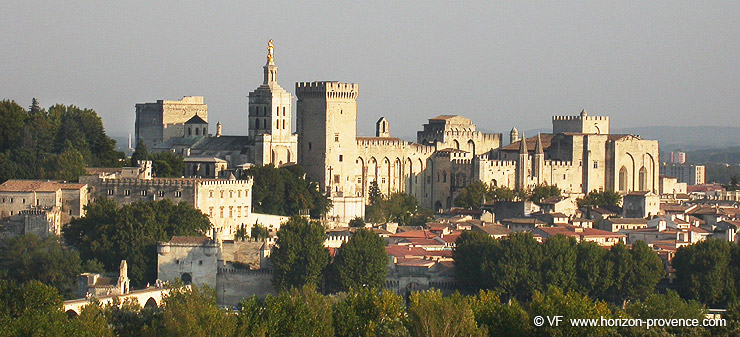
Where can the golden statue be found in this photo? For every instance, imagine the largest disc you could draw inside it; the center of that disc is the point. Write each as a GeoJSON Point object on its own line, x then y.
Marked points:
{"type": "Point", "coordinates": [270, 49]}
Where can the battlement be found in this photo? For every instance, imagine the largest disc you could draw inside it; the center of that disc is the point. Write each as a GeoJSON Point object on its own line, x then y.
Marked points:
{"type": "Point", "coordinates": [185, 100]}
{"type": "Point", "coordinates": [184, 182]}
{"type": "Point", "coordinates": [579, 118]}
{"type": "Point", "coordinates": [327, 89]}
{"type": "Point", "coordinates": [261, 271]}
{"type": "Point", "coordinates": [462, 161]}
{"type": "Point", "coordinates": [558, 163]}
{"type": "Point", "coordinates": [501, 163]}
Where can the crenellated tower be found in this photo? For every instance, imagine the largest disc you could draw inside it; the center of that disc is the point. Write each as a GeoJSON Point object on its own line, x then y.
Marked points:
{"type": "Point", "coordinates": [326, 118]}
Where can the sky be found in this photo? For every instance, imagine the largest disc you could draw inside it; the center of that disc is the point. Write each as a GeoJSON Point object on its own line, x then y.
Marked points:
{"type": "Point", "coordinates": [499, 63]}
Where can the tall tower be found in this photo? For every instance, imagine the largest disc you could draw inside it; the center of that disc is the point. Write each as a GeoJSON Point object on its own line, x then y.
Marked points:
{"type": "Point", "coordinates": [522, 164]}
{"type": "Point", "coordinates": [270, 117]}
{"type": "Point", "coordinates": [326, 116]}
{"type": "Point", "coordinates": [538, 163]}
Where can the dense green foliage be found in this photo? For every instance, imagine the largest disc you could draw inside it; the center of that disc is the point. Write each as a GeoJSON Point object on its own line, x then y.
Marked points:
{"type": "Point", "coordinates": [370, 312]}
{"type": "Point", "coordinates": [298, 312]}
{"type": "Point", "coordinates": [259, 232]}
{"type": "Point", "coordinates": [398, 207]}
{"type": "Point", "coordinates": [285, 191]}
{"type": "Point", "coordinates": [34, 309]}
{"type": "Point", "coordinates": [721, 173]}
{"type": "Point", "coordinates": [28, 257]}
{"type": "Point", "coordinates": [708, 271]}
{"type": "Point", "coordinates": [362, 261]}
{"type": "Point", "coordinates": [164, 164]}
{"type": "Point", "coordinates": [131, 232]}
{"type": "Point", "coordinates": [54, 144]}
{"type": "Point", "coordinates": [431, 314]}
{"type": "Point", "coordinates": [299, 257]}
{"type": "Point", "coordinates": [473, 195]}
{"type": "Point", "coordinates": [596, 198]}
{"type": "Point", "coordinates": [519, 266]}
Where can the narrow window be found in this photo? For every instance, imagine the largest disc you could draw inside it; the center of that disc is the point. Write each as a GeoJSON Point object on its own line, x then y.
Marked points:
{"type": "Point", "coordinates": [336, 137]}
{"type": "Point", "coordinates": [341, 157]}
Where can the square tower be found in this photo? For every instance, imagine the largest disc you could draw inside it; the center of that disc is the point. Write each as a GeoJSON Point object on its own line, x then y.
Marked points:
{"type": "Point", "coordinates": [326, 116]}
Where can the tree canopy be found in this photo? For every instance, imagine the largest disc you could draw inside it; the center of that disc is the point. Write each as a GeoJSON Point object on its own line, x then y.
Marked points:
{"type": "Point", "coordinates": [285, 191]}
{"type": "Point", "coordinates": [299, 256]}
{"type": "Point", "coordinates": [362, 261]}
{"type": "Point", "coordinates": [164, 164]}
{"type": "Point", "coordinates": [473, 195]}
{"type": "Point", "coordinates": [55, 144]}
{"type": "Point", "coordinates": [28, 257]}
{"type": "Point", "coordinates": [131, 232]}
{"type": "Point", "coordinates": [596, 198]}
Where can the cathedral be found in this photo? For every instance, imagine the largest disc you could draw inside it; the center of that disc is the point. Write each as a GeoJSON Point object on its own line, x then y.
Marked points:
{"type": "Point", "coordinates": [579, 156]}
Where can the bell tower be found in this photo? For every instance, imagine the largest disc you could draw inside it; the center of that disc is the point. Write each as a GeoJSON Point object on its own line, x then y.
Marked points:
{"type": "Point", "coordinates": [271, 117]}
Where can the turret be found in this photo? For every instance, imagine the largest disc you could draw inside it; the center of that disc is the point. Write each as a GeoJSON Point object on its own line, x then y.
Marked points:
{"type": "Point", "coordinates": [539, 160]}
{"type": "Point", "coordinates": [513, 135]}
{"type": "Point", "coordinates": [218, 129]}
{"type": "Point", "coordinates": [522, 166]}
{"type": "Point", "coordinates": [382, 128]}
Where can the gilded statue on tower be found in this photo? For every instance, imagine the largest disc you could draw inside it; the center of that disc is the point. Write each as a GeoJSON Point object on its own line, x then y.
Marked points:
{"type": "Point", "coordinates": [270, 49]}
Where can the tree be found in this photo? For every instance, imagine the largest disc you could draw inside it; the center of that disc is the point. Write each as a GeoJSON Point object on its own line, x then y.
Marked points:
{"type": "Point", "coordinates": [596, 198]}
{"type": "Point", "coordinates": [297, 312]}
{"type": "Point", "coordinates": [472, 196]}
{"type": "Point", "coordinates": [69, 165]}
{"type": "Point", "coordinates": [357, 222]}
{"type": "Point", "coordinates": [370, 312]}
{"type": "Point", "coordinates": [28, 257]}
{"type": "Point", "coordinates": [34, 108]}
{"type": "Point", "coordinates": [374, 195]}
{"type": "Point", "coordinates": [132, 233]}
{"type": "Point", "coordinates": [593, 270]}
{"type": "Point", "coordinates": [559, 262]}
{"type": "Point", "coordinates": [668, 305]}
{"type": "Point", "coordinates": [299, 255]}
{"type": "Point", "coordinates": [285, 191]}
{"type": "Point", "coordinates": [398, 207]}
{"type": "Point", "coordinates": [472, 253]}
{"type": "Point", "coordinates": [193, 311]}
{"type": "Point", "coordinates": [703, 271]}
{"type": "Point", "coordinates": [544, 191]}
{"type": "Point", "coordinates": [431, 314]}
{"type": "Point", "coordinates": [503, 193]}
{"type": "Point", "coordinates": [167, 164]}
{"type": "Point", "coordinates": [569, 305]}
{"type": "Point", "coordinates": [140, 153]}
{"type": "Point", "coordinates": [128, 319]}
{"type": "Point", "coordinates": [648, 271]}
{"type": "Point", "coordinates": [259, 232]}
{"type": "Point", "coordinates": [623, 265]}
{"type": "Point", "coordinates": [516, 272]}
{"type": "Point", "coordinates": [12, 120]}
{"type": "Point", "coordinates": [362, 261]}
{"type": "Point", "coordinates": [35, 309]}
{"type": "Point", "coordinates": [500, 319]}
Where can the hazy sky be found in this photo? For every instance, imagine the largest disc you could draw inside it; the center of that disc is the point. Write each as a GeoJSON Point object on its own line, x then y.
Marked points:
{"type": "Point", "coordinates": [501, 64]}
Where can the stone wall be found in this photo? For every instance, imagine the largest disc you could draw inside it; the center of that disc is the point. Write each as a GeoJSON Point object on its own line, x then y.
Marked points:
{"type": "Point", "coordinates": [235, 284]}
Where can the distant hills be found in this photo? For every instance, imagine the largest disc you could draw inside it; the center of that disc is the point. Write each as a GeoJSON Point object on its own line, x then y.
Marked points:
{"type": "Point", "coordinates": [687, 138]}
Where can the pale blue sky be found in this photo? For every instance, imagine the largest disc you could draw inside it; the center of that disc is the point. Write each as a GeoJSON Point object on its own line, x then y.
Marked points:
{"type": "Point", "coordinates": [502, 64]}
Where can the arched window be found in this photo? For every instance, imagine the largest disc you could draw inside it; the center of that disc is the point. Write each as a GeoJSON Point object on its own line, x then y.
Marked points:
{"type": "Point", "coordinates": [283, 124]}
{"type": "Point", "coordinates": [643, 179]}
{"type": "Point", "coordinates": [623, 179]}
{"type": "Point", "coordinates": [190, 132]}
{"type": "Point", "coordinates": [283, 111]}
{"type": "Point", "coordinates": [197, 131]}
{"type": "Point", "coordinates": [204, 131]}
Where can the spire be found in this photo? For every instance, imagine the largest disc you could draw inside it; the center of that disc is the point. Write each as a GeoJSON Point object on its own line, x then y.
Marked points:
{"type": "Point", "coordinates": [513, 135]}
{"type": "Point", "coordinates": [538, 146]}
{"type": "Point", "coordinates": [584, 113]}
{"type": "Point", "coordinates": [523, 145]}
{"type": "Point", "coordinates": [270, 67]}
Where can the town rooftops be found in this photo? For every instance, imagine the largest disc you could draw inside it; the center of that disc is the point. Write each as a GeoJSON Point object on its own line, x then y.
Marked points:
{"type": "Point", "coordinates": [628, 221]}
{"type": "Point", "coordinates": [15, 185]}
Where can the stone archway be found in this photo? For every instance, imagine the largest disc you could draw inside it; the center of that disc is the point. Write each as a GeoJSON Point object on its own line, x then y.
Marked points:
{"type": "Point", "coordinates": [151, 303]}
